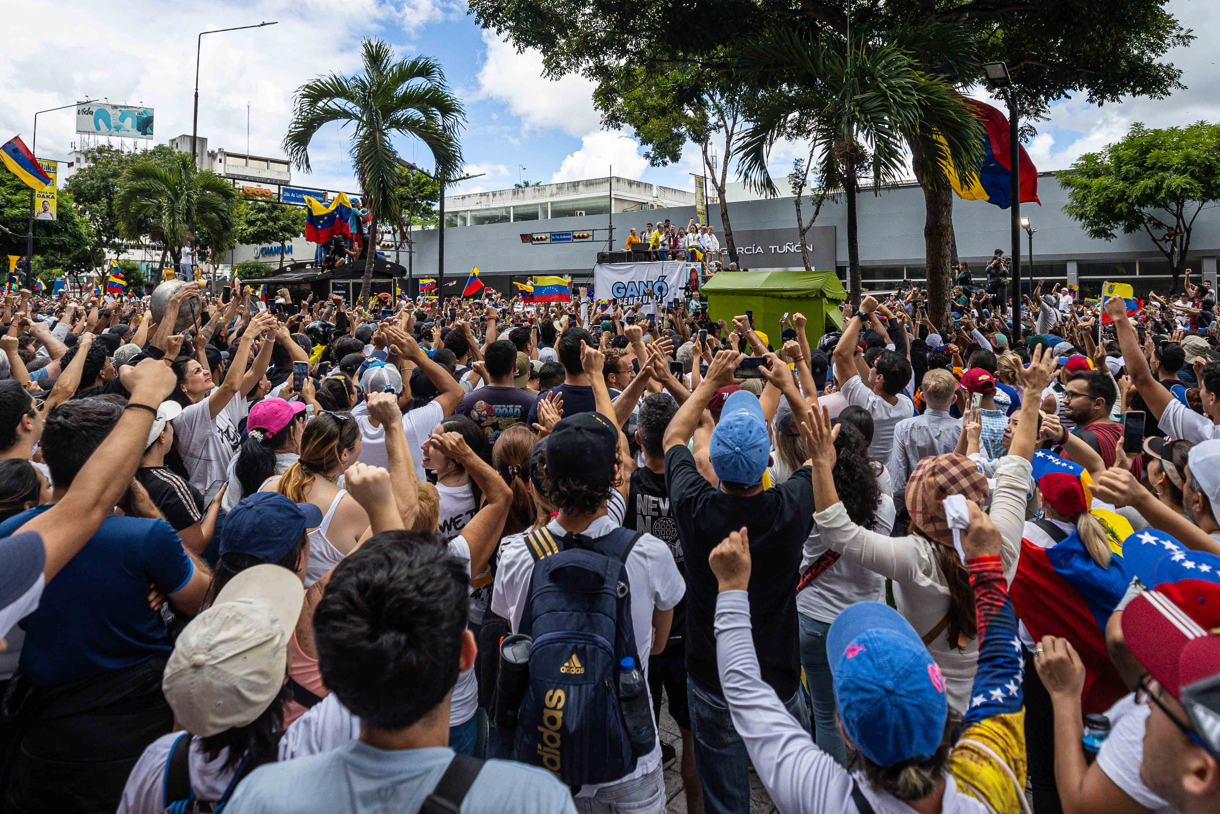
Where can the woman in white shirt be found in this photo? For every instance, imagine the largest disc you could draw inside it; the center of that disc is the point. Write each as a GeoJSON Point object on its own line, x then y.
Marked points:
{"type": "Point", "coordinates": [329, 445]}
{"type": "Point", "coordinates": [460, 495]}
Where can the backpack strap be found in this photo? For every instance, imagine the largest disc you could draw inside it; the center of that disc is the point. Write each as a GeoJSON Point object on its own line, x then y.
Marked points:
{"type": "Point", "coordinates": [176, 786]}
{"type": "Point", "coordinates": [1054, 532]}
{"type": "Point", "coordinates": [303, 695]}
{"type": "Point", "coordinates": [542, 544]}
{"type": "Point", "coordinates": [459, 776]}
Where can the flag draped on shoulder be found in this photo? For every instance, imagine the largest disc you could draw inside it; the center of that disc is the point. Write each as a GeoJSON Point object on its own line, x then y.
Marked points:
{"type": "Point", "coordinates": [993, 183]}
{"type": "Point", "coordinates": [20, 161]}
{"type": "Point", "coordinates": [322, 221]}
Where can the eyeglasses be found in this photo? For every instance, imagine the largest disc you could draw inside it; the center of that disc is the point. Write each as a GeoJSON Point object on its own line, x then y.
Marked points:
{"type": "Point", "coordinates": [1069, 395]}
{"type": "Point", "coordinates": [1151, 689]}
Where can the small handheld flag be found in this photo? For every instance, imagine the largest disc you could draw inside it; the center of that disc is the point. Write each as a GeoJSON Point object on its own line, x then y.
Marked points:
{"type": "Point", "coordinates": [39, 287]}
{"type": "Point", "coordinates": [115, 283]}
{"type": "Point", "coordinates": [1124, 290]}
{"type": "Point", "coordinates": [20, 161]}
{"type": "Point", "coordinates": [473, 283]}
{"type": "Point", "coordinates": [551, 289]}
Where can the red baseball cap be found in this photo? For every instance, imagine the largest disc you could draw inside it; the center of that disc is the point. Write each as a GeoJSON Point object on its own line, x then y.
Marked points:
{"type": "Point", "coordinates": [1182, 657]}
{"type": "Point", "coordinates": [1076, 364]}
{"type": "Point", "coordinates": [716, 403]}
{"type": "Point", "coordinates": [977, 380]}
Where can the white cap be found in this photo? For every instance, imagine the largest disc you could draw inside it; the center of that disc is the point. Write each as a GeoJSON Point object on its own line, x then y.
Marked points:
{"type": "Point", "coordinates": [1114, 364]}
{"type": "Point", "coordinates": [229, 663]}
{"type": "Point", "coordinates": [167, 412]}
{"type": "Point", "coordinates": [1204, 465]}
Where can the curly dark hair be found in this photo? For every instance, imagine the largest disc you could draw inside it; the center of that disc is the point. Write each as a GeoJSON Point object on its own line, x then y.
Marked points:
{"type": "Point", "coordinates": [854, 479]}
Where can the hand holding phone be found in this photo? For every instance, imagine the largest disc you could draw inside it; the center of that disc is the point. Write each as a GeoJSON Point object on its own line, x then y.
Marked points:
{"type": "Point", "coordinates": [299, 371]}
{"type": "Point", "coordinates": [1133, 431]}
{"type": "Point", "coordinates": [750, 368]}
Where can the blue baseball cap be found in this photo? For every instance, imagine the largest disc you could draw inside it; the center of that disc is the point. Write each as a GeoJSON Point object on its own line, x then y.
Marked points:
{"type": "Point", "coordinates": [740, 448]}
{"type": "Point", "coordinates": [267, 525]}
{"type": "Point", "coordinates": [889, 692]}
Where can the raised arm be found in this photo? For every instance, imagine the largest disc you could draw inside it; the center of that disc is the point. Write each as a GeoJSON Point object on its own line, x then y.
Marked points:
{"type": "Point", "coordinates": [483, 531]}
{"type": "Point", "coordinates": [683, 424]}
{"type": "Point", "coordinates": [1155, 394]}
{"type": "Point", "coordinates": [384, 408]}
{"type": "Point", "coordinates": [71, 522]}
{"type": "Point", "coordinates": [451, 391]}
{"type": "Point", "coordinates": [230, 387]}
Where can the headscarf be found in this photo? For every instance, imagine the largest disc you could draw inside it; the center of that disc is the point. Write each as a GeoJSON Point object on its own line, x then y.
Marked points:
{"type": "Point", "coordinates": [934, 479]}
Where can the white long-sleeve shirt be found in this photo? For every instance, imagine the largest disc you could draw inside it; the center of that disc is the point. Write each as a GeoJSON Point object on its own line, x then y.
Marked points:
{"type": "Point", "coordinates": [920, 590]}
{"type": "Point", "coordinates": [798, 775]}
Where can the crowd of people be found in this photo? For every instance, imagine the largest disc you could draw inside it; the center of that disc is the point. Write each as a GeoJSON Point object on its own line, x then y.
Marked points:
{"type": "Point", "coordinates": [457, 555]}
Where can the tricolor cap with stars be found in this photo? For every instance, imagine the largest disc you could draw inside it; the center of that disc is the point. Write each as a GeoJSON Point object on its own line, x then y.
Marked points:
{"type": "Point", "coordinates": [1190, 579]}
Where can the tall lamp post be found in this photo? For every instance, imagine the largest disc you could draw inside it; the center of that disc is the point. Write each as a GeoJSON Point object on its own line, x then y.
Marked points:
{"type": "Point", "coordinates": [440, 241]}
{"type": "Point", "coordinates": [1029, 230]}
{"type": "Point", "coordinates": [29, 238]}
{"type": "Point", "coordinates": [997, 74]}
{"type": "Point", "coordinates": [195, 115]}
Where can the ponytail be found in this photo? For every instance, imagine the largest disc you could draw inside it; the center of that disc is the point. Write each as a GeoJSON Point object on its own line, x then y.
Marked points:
{"type": "Point", "coordinates": [1096, 540]}
{"type": "Point", "coordinates": [325, 439]}
{"type": "Point", "coordinates": [511, 458]}
{"type": "Point", "coordinates": [256, 458]}
{"type": "Point", "coordinates": [295, 483]}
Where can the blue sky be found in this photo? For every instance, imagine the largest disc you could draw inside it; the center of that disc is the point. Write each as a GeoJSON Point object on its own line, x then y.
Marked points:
{"type": "Point", "coordinates": [142, 51]}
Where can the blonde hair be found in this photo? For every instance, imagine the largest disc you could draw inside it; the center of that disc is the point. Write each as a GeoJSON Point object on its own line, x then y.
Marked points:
{"type": "Point", "coordinates": [428, 516]}
{"type": "Point", "coordinates": [938, 386]}
{"type": "Point", "coordinates": [1008, 368]}
{"type": "Point", "coordinates": [1095, 538]}
{"type": "Point", "coordinates": [754, 386]}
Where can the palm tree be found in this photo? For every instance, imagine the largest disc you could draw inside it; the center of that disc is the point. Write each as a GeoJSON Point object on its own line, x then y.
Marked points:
{"type": "Point", "coordinates": [859, 101]}
{"type": "Point", "coordinates": [163, 198]}
{"type": "Point", "coordinates": [406, 97]}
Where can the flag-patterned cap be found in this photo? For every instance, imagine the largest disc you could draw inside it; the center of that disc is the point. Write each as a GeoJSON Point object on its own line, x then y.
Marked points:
{"type": "Point", "coordinates": [1191, 579]}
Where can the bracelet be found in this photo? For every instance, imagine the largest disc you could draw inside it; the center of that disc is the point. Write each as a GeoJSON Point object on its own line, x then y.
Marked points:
{"type": "Point", "coordinates": [132, 406]}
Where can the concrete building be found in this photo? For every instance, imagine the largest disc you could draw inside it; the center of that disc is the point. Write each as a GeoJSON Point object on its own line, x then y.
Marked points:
{"type": "Point", "coordinates": [891, 241]}
{"type": "Point", "coordinates": [596, 196]}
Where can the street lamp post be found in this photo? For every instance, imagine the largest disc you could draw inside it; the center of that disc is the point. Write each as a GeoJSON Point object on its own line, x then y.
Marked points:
{"type": "Point", "coordinates": [997, 73]}
{"type": "Point", "coordinates": [195, 114]}
{"type": "Point", "coordinates": [1029, 230]}
{"type": "Point", "coordinates": [440, 238]}
{"type": "Point", "coordinates": [29, 239]}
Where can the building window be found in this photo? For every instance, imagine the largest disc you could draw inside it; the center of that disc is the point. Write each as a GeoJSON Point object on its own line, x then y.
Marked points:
{"type": "Point", "coordinates": [481, 217]}
{"type": "Point", "coordinates": [455, 219]}
{"type": "Point", "coordinates": [578, 207]}
{"type": "Point", "coordinates": [1114, 271]}
{"type": "Point", "coordinates": [529, 212]}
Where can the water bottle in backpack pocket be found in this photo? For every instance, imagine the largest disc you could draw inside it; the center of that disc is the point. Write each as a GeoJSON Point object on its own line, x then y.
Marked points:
{"type": "Point", "coordinates": [578, 611]}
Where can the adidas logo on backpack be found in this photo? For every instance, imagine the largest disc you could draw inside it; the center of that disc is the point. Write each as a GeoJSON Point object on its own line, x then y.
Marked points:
{"type": "Point", "coordinates": [578, 612]}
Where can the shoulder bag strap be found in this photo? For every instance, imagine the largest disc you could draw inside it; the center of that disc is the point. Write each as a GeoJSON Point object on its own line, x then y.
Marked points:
{"type": "Point", "coordinates": [857, 797]}
{"type": "Point", "coordinates": [1054, 532]}
{"type": "Point", "coordinates": [447, 797]}
{"type": "Point", "coordinates": [933, 634]}
{"type": "Point", "coordinates": [303, 695]}
{"type": "Point", "coordinates": [177, 783]}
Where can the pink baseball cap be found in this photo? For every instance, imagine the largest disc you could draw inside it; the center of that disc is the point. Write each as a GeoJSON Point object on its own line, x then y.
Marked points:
{"type": "Point", "coordinates": [273, 415]}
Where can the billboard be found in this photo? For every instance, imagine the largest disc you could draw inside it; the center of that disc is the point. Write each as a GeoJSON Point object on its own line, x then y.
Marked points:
{"type": "Point", "coordinates": [45, 199]}
{"type": "Point", "coordinates": [296, 195]}
{"type": "Point", "coordinates": [124, 121]}
{"type": "Point", "coordinates": [701, 200]}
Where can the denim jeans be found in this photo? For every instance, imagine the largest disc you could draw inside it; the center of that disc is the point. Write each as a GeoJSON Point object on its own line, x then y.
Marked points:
{"type": "Point", "coordinates": [720, 754]}
{"type": "Point", "coordinates": [463, 737]}
{"type": "Point", "coordinates": [643, 795]}
{"type": "Point", "coordinates": [821, 688]}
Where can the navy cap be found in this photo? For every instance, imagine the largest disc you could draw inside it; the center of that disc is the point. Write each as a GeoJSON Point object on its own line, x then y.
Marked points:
{"type": "Point", "coordinates": [584, 446]}
{"type": "Point", "coordinates": [889, 692]}
{"type": "Point", "coordinates": [267, 525]}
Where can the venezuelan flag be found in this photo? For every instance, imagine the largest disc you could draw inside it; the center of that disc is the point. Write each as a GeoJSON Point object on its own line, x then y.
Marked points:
{"type": "Point", "coordinates": [473, 283]}
{"type": "Point", "coordinates": [526, 290]}
{"type": "Point", "coordinates": [552, 289]}
{"type": "Point", "coordinates": [20, 161]}
{"type": "Point", "coordinates": [323, 222]}
{"type": "Point", "coordinates": [262, 293]}
{"type": "Point", "coordinates": [1124, 290]}
{"type": "Point", "coordinates": [427, 285]}
{"type": "Point", "coordinates": [39, 287]}
{"type": "Point", "coordinates": [994, 182]}
{"type": "Point", "coordinates": [115, 284]}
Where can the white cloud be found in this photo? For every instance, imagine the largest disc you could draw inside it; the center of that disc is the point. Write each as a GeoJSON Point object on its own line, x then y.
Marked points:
{"type": "Point", "coordinates": [515, 78]}
{"type": "Point", "coordinates": [598, 152]}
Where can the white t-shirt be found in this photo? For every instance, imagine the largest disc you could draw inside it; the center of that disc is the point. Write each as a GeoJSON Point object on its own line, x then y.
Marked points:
{"type": "Point", "coordinates": [465, 699]}
{"type": "Point", "coordinates": [206, 445]}
{"type": "Point", "coordinates": [457, 508]}
{"type": "Point", "coordinates": [844, 583]}
{"type": "Point", "coordinates": [885, 415]}
{"type": "Point", "coordinates": [1122, 753]}
{"type": "Point", "coordinates": [145, 789]}
{"type": "Point", "coordinates": [1179, 421]}
{"type": "Point", "coordinates": [417, 424]}
{"type": "Point", "coordinates": [652, 576]}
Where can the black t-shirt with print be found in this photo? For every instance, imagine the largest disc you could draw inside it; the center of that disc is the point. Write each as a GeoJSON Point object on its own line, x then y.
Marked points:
{"type": "Point", "coordinates": [180, 502]}
{"type": "Point", "coordinates": [648, 510]}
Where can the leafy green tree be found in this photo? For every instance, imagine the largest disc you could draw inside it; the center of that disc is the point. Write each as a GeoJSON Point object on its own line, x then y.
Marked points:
{"type": "Point", "coordinates": [263, 222]}
{"type": "Point", "coordinates": [62, 243]}
{"type": "Point", "coordinates": [133, 275]}
{"type": "Point", "coordinates": [858, 103]}
{"type": "Point", "coordinates": [406, 97]}
{"type": "Point", "coordinates": [669, 106]}
{"type": "Point", "coordinates": [250, 269]}
{"type": "Point", "coordinates": [1154, 181]}
{"type": "Point", "coordinates": [1104, 50]}
{"type": "Point", "coordinates": [161, 200]}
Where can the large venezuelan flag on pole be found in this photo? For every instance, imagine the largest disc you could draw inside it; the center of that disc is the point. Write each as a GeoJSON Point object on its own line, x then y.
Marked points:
{"type": "Point", "coordinates": [552, 289]}
{"type": "Point", "coordinates": [323, 222]}
{"type": "Point", "coordinates": [473, 283]}
{"type": "Point", "coordinates": [20, 161]}
{"type": "Point", "coordinates": [994, 181]}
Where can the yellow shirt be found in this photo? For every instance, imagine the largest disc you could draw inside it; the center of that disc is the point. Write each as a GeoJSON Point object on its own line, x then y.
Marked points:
{"type": "Point", "coordinates": [654, 240]}
{"type": "Point", "coordinates": [631, 241]}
